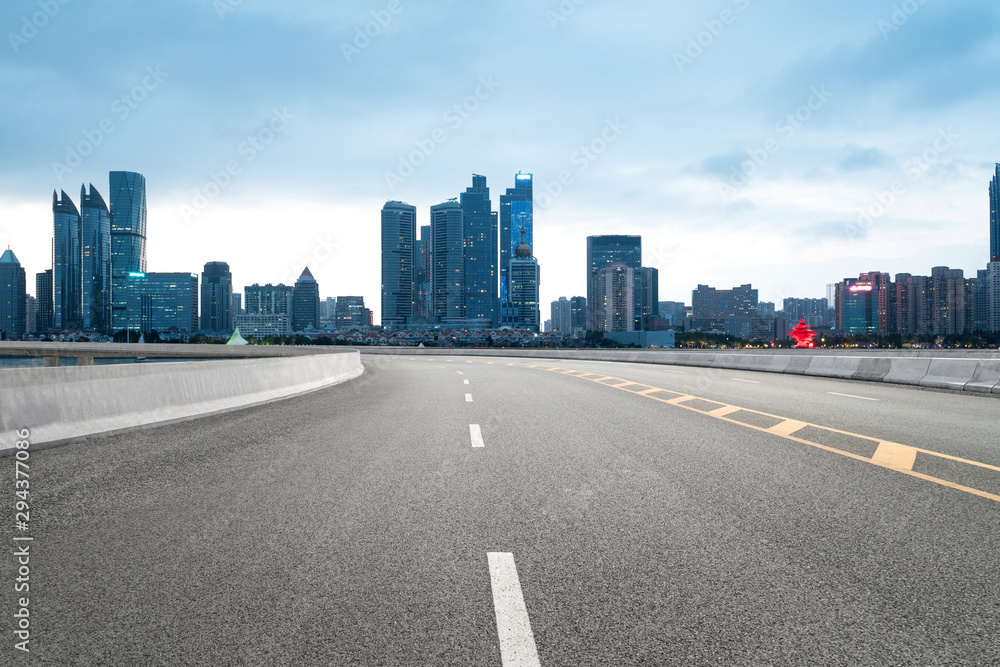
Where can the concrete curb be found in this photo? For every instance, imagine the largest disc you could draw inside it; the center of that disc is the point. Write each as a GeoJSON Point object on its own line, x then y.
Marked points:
{"type": "Point", "coordinates": [68, 404]}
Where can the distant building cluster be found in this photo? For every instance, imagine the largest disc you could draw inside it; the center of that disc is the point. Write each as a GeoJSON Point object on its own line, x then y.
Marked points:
{"type": "Point", "coordinates": [469, 277]}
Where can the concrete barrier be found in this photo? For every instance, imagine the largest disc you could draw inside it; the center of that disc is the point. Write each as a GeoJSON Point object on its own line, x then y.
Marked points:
{"type": "Point", "coordinates": [949, 373]}
{"type": "Point", "coordinates": [907, 371]}
{"type": "Point", "coordinates": [986, 379]}
{"type": "Point", "coordinates": [872, 369]}
{"type": "Point", "coordinates": [67, 404]}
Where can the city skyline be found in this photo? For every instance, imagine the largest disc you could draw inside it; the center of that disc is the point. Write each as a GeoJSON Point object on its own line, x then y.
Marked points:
{"type": "Point", "coordinates": [857, 107]}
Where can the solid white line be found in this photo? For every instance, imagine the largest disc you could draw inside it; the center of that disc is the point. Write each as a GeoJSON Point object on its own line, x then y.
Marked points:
{"type": "Point", "coordinates": [741, 380]}
{"type": "Point", "coordinates": [863, 398]}
{"type": "Point", "coordinates": [476, 434]}
{"type": "Point", "coordinates": [465, 381]}
{"type": "Point", "coordinates": [468, 398]}
{"type": "Point", "coordinates": [517, 642]}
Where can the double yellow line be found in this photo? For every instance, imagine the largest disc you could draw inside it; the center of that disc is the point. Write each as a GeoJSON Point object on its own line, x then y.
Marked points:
{"type": "Point", "coordinates": [891, 455]}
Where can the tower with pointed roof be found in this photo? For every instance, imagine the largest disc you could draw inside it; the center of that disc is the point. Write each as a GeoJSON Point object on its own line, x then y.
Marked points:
{"type": "Point", "coordinates": [523, 293]}
{"type": "Point", "coordinates": [95, 261]}
{"type": "Point", "coordinates": [12, 296]}
{"type": "Point", "coordinates": [305, 302]}
{"type": "Point", "coordinates": [66, 273]}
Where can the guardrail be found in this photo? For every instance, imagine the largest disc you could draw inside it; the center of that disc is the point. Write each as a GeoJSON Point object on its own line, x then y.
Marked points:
{"type": "Point", "coordinates": [960, 370]}
{"type": "Point", "coordinates": [60, 405]}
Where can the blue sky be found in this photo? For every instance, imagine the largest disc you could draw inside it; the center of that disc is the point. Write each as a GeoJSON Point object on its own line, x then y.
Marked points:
{"type": "Point", "coordinates": [781, 144]}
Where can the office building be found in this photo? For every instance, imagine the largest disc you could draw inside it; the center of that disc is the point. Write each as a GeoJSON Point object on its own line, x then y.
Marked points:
{"type": "Point", "coordinates": [162, 302]}
{"type": "Point", "coordinates": [448, 259]}
{"type": "Point", "coordinates": [236, 304]}
{"type": "Point", "coordinates": [95, 262]}
{"type": "Point", "coordinates": [711, 307]}
{"type": "Point", "coordinates": [30, 312]}
{"type": "Point", "coordinates": [43, 293]}
{"type": "Point", "coordinates": [671, 311]}
{"type": "Point", "coordinates": [995, 216]}
{"type": "Point", "coordinates": [988, 298]}
{"type": "Point", "coordinates": [603, 251]}
{"type": "Point", "coordinates": [305, 302]}
{"type": "Point", "coordinates": [815, 312]}
{"type": "Point", "coordinates": [12, 297]}
{"type": "Point", "coordinates": [217, 297]}
{"type": "Point", "coordinates": [482, 299]}
{"type": "Point", "coordinates": [351, 313]}
{"type": "Point", "coordinates": [267, 299]}
{"type": "Point", "coordinates": [127, 199]}
{"type": "Point", "coordinates": [650, 296]}
{"type": "Point", "coordinates": [262, 325]}
{"type": "Point", "coordinates": [327, 309]}
{"type": "Point", "coordinates": [511, 219]}
{"type": "Point", "coordinates": [524, 277]}
{"type": "Point", "coordinates": [863, 306]}
{"type": "Point", "coordinates": [66, 273]}
{"type": "Point", "coordinates": [562, 316]}
{"type": "Point", "coordinates": [399, 230]}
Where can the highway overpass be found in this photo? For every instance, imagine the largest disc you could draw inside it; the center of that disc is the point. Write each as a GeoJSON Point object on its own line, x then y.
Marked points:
{"type": "Point", "coordinates": [443, 509]}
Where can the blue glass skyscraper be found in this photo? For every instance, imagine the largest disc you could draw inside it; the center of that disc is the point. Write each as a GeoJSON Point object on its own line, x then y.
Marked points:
{"type": "Point", "coordinates": [601, 252]}
{"type": "Point", "coordinates": [481, 260]}
{"type": "Point", "coordinates": [95, 261]}
{"type": "Point", "coordinates": [448, 260]}
{"type": "Point", "coordinates": [510, 236]}
{"type": "Point", "coordinates": [66, 299]}
{"type": "Point", "coordinates": [399, 256]}
{"type": "Point", "coordinates": [128, 237]}
{"type": "Point", "coordinates": [995, 216]}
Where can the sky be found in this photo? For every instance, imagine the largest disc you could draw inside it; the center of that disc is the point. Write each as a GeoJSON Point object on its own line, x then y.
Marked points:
{"type": "Point", "coordinates": [784, 144]}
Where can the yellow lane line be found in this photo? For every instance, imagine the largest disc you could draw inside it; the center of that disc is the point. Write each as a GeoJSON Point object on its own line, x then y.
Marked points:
{"type": "Point", "coordinates": [889, 455]}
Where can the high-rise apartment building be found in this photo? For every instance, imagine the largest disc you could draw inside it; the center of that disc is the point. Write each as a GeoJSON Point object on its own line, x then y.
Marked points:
{"type": "Point", "coordinates": [12, 297]}
{"type": "Point", "coordinates": [650, 296]}
{"type": "Point", "coordinates": [482, 299]}
{"type": "Point", "coordinates": [616, 284]}
{"type": "Point", "coordinates": [511, 218]}
{"type": "Point", "coordinates": [424, 306]}
{"type": "Point", "coordinates": [562, 316]}
{"type": "Point", "coordinates": [711, 307]}
{"type": "Point", "coordinates": [95, 261]}
{"type": "Point", "coordinates": [351, 312]}
{"type": "Point", "coordinates": [399, 232]}
{"type": "Point", "coordinates": [448, 258]}
{"type": "Point", "coordinates": [43, 293]}
{"type": "Point", "coordinates": [217, 297]}
{"type": "Point", "coordinates": [603, 251]}
{"type": "Point", "coordinates": [305, 302]}
{"type": "Point", "coordinates": [30, 312]}
{"type": "Point", "coordinates": [268, 299]}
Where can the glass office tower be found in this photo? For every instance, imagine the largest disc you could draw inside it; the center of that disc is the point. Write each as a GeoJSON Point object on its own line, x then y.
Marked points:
{"type": "Point", "coordinates": [399, 257]}
{"type": "Point", "coordinates": [481, 253]}
{"type": "Point", "coordinates": [66, 298]}
{"type": "Point", "coordinates": [995, 216]}
{"type": "Point", "coordinates": [448, 259]}
{"type": "Point", "coordinates": [128, 237]}
{"type": "Point", "coordinates": [510, 235]}
{"type": "Point", "coordinates": [305, 302]}
{"type": "Point", "coordinates": [217, 297]}
{"type": "Point", "coordinates": [95, 261]}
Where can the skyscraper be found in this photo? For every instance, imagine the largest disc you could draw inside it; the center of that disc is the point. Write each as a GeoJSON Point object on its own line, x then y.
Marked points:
{"type": "Point", "coordinates": [95, 261]}
{"type": "Point", "coordinates": [481, 258]}
{"type": "Point", "coordinates": [601, 252]}
{"type": "Point", "coordinates": [399, 231]}
{"type": "Point", "coordinates": [422, 281]}
{"type": "Point", "coordinates": [267, 299]}
{"type": "Point", "coordinates": [12, 296]}
{"type": "Point", "coordinates": [650, 296]}
{"type": "Point", "coordinates": [66, 274]}
{"type": "Point", "coordinates": [43, 292]}
{"type": "Point", "coordinates": [616, 284]}
{"type": "Point", "coordinates": [351, 312]}
{"type": "Point", "coordinates": [524, 280]}
{"type": "Point", "coordinates": [216, 297]}
{"type": "Point", "coordinates": [128, 238]}
{"type": "Point", "coordinates": [510, 232]}
{"type": "Point", "coordinates": [305, 302]}
{"type": "Point", "coordinates": [579, 314]}
{"type": "Point", "coordinates": [448, 258]}
{"type": "Point", "coordinates": [562, 316]}
{"type": "Point", "coordinates": [160, 302]}
{"type": "Point", "coordinates": [995, 216]}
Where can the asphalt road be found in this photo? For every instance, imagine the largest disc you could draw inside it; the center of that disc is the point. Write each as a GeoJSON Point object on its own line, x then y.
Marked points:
{"type": "Point", "coordinates": [354, 525]}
